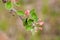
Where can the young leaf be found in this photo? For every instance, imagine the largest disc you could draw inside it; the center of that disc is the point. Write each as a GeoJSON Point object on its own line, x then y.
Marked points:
{"type": "Point", "coordinates": [30, 21]}
{"type": "Point", "coordinates": [18, 3]}
{"type": "Point", "coordinates": [21, 13]}
{"type": "Point", "coordinates": [25, 22]}
{"type": "Point", "coordinates": [8, 5]}
{"type": "Point", "coordinates": [33, 15]}
{"type": "Point", "coordinates": [28, 27]}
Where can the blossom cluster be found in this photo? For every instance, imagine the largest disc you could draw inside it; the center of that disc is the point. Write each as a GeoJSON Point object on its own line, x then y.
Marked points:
{"type": "Point", "coordinates": [30, 20]}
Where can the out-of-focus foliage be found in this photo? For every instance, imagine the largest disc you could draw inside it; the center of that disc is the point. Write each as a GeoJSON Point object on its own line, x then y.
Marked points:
{"type": "Point", "coordinates": [8, 5]}
{"type": "Point", "coordinates": [20, 13]}
{"type": "Point", "coordinates": [33, 15]}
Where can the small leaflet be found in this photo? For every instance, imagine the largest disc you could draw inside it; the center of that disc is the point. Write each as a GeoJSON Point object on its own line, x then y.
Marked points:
{"type": "Point", "coordinates": [8, 5]}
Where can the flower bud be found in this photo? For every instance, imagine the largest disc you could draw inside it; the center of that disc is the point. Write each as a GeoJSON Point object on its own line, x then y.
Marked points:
{"type": "Point", "coordinates": [27, 12]}
{"type": "Point", "coordinates": [41, 23]}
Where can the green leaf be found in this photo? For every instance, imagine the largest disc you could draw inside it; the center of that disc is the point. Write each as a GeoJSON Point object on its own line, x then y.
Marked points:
{"type": "Point", "coordinates": [33, 15]}
{"type": "Point", "coordinates": [8, 5]}
{"type": "Point", "coordinates": [28, 27]}
{"type": "Point", "coordinates": [18, 4]}
{"type": "Point", "coordinates": [21, 13]}
{"type": "Point", "coordinates": [25, 22]}
{"type": "Point", "coordinates": [30, 21]}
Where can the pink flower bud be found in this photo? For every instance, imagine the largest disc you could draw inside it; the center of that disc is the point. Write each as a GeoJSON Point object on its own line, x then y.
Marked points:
{"type": "Point", "coordinates": [40, 28]}
{"type": "Point", "coordinates": [41, 23]}
{"type": "Point", "coordinates": [27, 12]}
